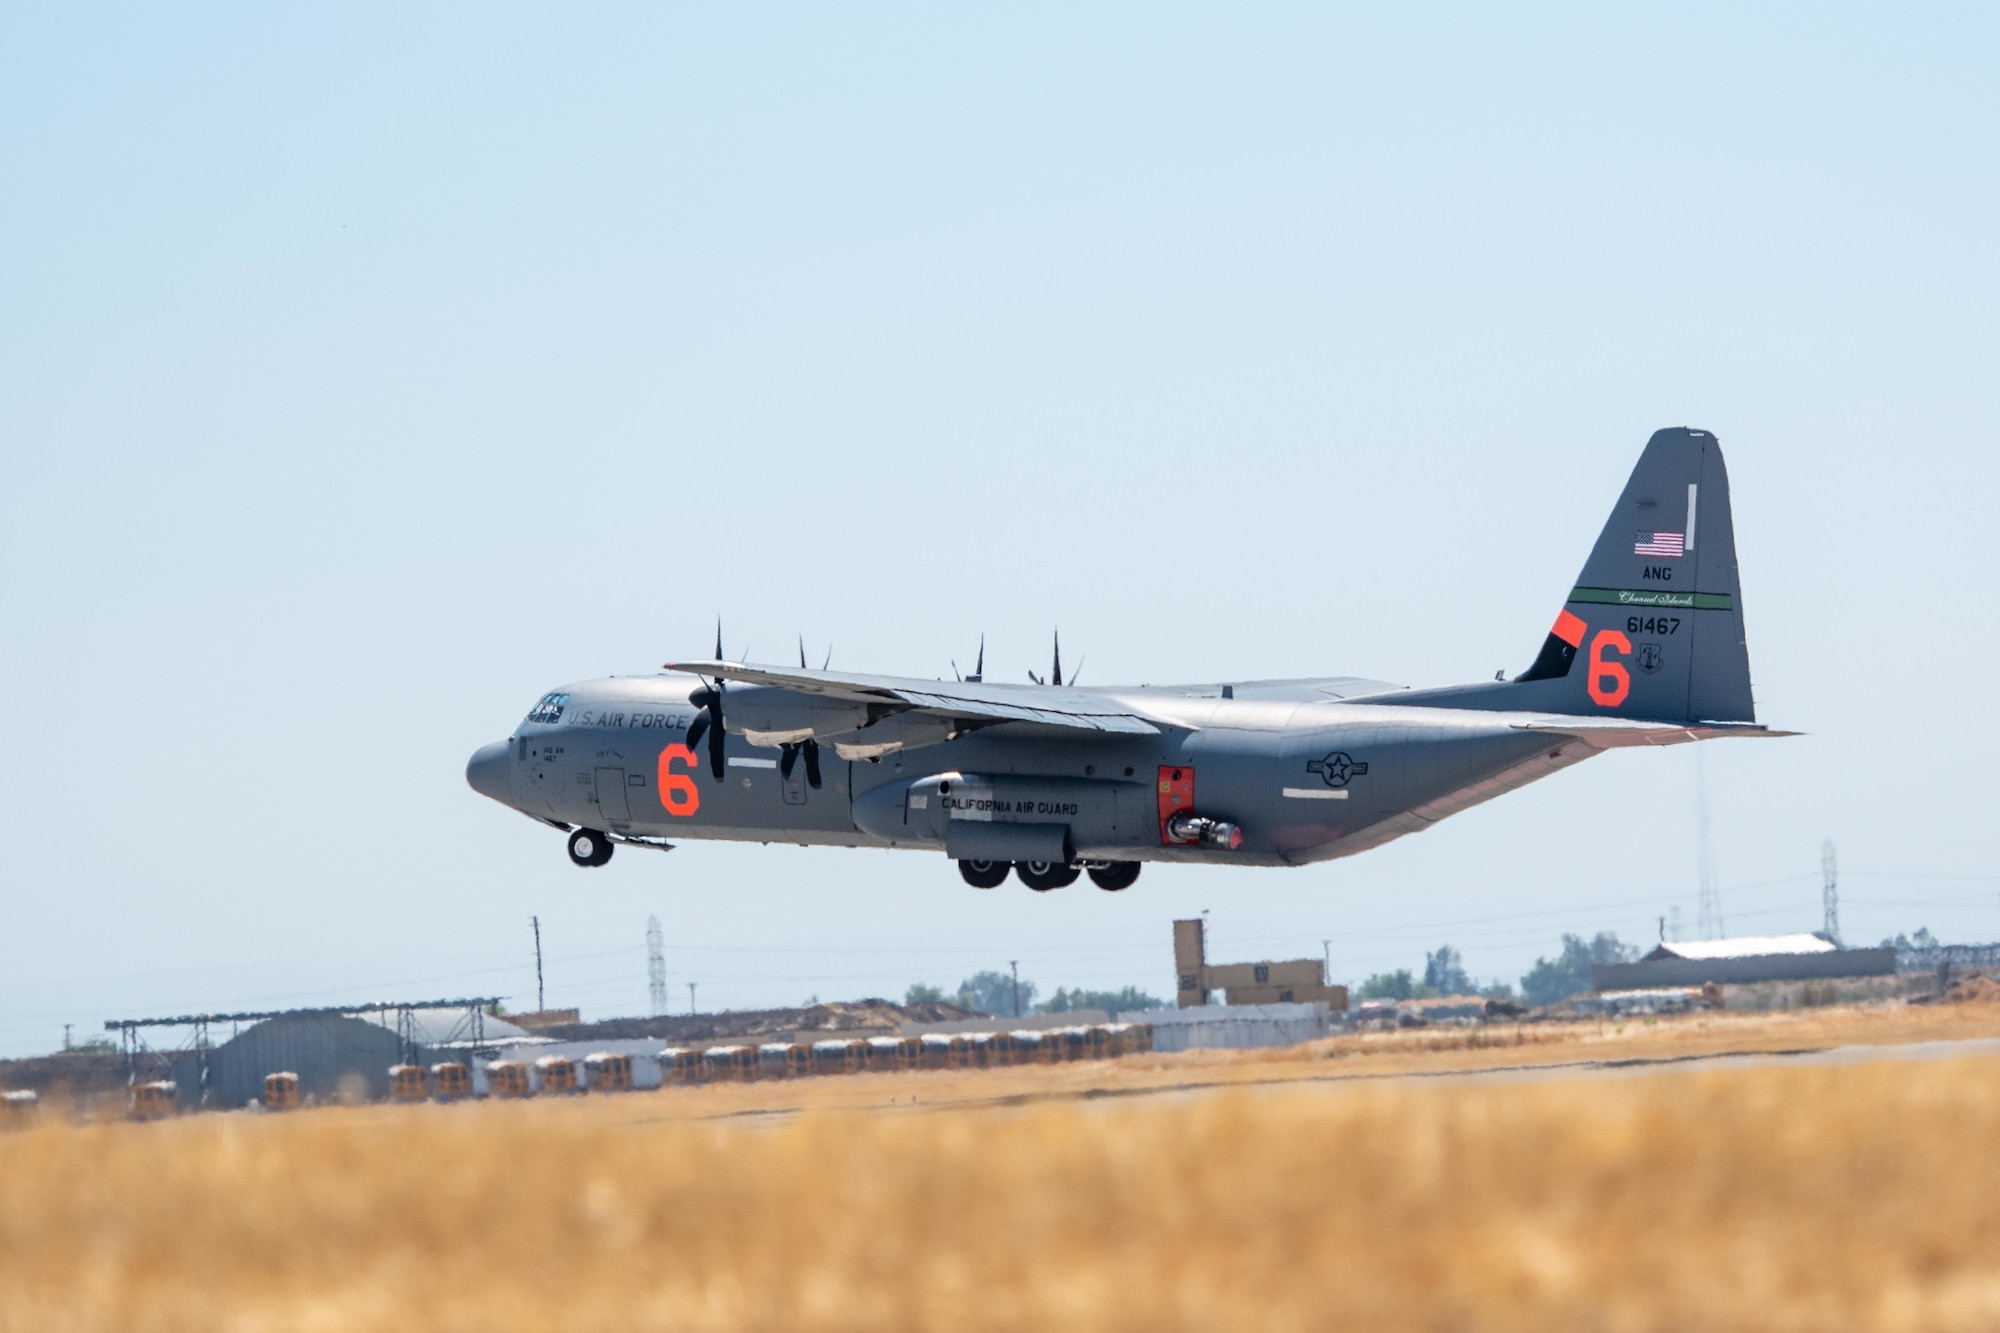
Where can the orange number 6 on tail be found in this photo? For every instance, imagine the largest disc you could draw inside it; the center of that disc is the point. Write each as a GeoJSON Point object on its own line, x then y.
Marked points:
{"type": "Point", "coordinates": [1601, 671]}
{"type": "Point", "coordinates": [677, 790]}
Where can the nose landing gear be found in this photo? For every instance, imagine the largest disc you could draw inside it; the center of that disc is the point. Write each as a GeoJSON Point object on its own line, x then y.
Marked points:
{"type": "Point", "coordinates": [587, 847]}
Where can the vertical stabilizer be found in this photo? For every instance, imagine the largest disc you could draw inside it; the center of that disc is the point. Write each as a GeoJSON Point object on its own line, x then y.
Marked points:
{"type": "Point", "coordinates": [1653, 627]}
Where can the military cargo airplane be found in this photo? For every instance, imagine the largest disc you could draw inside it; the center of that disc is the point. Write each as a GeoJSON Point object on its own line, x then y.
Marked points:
{"type": "Point", "coordinates": [1048, 781]}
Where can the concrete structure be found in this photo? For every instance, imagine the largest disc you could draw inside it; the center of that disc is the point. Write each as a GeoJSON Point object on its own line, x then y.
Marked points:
{"type": "Point", "coordinates": [1000, 1022]}
{"type": "Point", "coordinates": [1741, 961]}
{"type": "Point", "coordinates": [644, 1052]}
{"type": "Point", "coordinates": [1233, 1025]}
{"type": "Point", "coordinates": [1295, 981]}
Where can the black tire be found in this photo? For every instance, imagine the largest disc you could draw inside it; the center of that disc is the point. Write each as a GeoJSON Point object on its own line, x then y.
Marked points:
{"type": "Point", "coordinates": [984, 874]}
{"type": "Point", "coordinates": [588, 847]}
{"type": "Point", "coordinates": [1115, 876]}
{"type": "Point", "coordinates": [1041, 876]}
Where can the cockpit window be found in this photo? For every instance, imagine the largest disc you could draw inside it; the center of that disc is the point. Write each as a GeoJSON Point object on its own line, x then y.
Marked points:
{"type": "Point", "coordinates": [549, 710]}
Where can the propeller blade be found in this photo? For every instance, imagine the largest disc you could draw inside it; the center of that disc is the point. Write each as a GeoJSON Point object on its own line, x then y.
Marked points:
{"type": "Point", "coordinates": [1055, 677]}
{"type": "Point", "coordinates": [829, 658]}
{"type": "Point", "coordinates": [802, 652]}
{"type": "Point", "coordinates": [788, 758]}
{"type": "Point", "coordinates": [811, 748]}
{"type": "Point", "coordinates": [696, 728]}
{"type": "Point", "coordinates": [717, 761]}
{"type": "Point", "coordinates": [718, 638]}
{"type": "Point", "coordinates": [1074, 675]}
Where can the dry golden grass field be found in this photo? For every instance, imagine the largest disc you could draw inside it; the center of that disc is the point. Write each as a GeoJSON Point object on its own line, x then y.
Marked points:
{"type": "Point", "coordinates": [1312, 1196]}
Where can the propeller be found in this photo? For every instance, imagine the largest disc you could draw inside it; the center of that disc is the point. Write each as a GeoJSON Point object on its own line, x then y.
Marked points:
{"type": "Point", "coordinates": [979, 669]}
{"type": "Point", "coordinates": [1055, 674]}
{"type": "Point", "coordinates": [709, 720]}
{"type": "Point", "coordinates": [788, 755]}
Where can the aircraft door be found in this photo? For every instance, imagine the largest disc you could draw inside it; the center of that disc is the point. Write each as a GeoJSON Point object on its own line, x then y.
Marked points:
{"type": "Point", "coordinates": [611, 802]}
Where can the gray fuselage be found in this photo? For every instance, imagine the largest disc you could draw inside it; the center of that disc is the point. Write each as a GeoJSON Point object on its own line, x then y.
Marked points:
{"type": "Point", "coordinates": [1307, 771]}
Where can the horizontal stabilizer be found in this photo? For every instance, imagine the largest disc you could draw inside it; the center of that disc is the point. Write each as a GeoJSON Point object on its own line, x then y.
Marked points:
{"type": "Point", "coordinates": [1610, 733]}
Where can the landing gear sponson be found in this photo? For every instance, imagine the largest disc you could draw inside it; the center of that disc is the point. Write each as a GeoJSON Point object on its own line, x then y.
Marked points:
{"type": "Point", "coordinates": [1042, 876]}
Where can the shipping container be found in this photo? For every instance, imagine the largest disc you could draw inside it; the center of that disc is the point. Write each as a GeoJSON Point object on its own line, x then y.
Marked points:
{"type": "Point", "coordinates": [155, 1101]}
{"type": "Point", "coordinates": [555, 1075]}
{"type": "Point", "coordinates": [607, 1072]}
{"type": "Point", "coordinates": [882, 1055]}
{"type": "Point", "coordinates": [508, 1078]}
{"type": "Point", "coordinates": [837, 1056]}
{"type": "Point", "coordinates": [680, 1066]}
{"type": "Point", "coordinates": [934, 1051]}
{"type": "Point", "coordinates": [408, 1083]}
{"type": "Point", "coordinates": [450, 1081]}
{"type": "Point", "coordinates": [281, 1091]}
{"type": "Point", "coordinates": [774, 1060]}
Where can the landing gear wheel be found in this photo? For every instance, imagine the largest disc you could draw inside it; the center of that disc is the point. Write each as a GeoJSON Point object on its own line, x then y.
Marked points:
{"type": "Point", "coordinates": [984, 874]}
{"type": "Point", "coordinates": [1041, 876]}
{"type": "Point", "coordinates": [1115, 875]}
{"type": "Point", "coordinates": [588, 847]}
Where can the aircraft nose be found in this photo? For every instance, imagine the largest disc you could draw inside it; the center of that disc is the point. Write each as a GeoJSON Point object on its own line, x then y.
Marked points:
{"type": "Point", "coordinates": [491, 772]}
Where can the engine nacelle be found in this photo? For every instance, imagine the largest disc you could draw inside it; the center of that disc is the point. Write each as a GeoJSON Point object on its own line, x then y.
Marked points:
{"type": "Point", "coordinates": [767, 715]}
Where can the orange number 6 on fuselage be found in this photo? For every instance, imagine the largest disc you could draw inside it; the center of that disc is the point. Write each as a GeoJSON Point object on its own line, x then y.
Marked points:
{"type": "Point", "coordinates": [1602, 670]}
{"type": "Point", "coordinates": [677, 790]}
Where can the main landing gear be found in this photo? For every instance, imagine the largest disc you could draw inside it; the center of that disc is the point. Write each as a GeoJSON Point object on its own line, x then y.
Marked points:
{"type": "Point", "coordinates": [1115, 875]}
{"type": "Point", "coordinates": [984, 874]}
{"type": "Point", "coordinates": [1042, 876]}
{"type": "Point", "coordinates": [588, 847]}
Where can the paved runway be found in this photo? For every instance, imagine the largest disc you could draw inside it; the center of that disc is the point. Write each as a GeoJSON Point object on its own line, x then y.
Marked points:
{"type": "Point", "coordinates": [1888, 1053]}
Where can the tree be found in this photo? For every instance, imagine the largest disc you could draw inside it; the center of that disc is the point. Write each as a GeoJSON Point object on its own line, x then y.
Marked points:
{"type": "Point", "coordinates": [1111, 1001]}
{"type": "Point", "coordinates": [1923, 939]}
{"type": "Point", "coordinates": [1444, 972]}
{"type": "Point", "coordinates": [993, 993]}
{"type": "Point", "coordinates": [1397, 985]}
{"type": "Point", "coordinates": [1569, 973]}
{"type": "Point", "coordinates": [923, 993]}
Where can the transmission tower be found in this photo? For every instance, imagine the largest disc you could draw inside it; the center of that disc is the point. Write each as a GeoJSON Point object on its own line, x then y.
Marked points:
{"type": "Point", "coordinates": [1831, 894]}
{"type": "Point", "coordinates": [656, 966]}
{"type": "Point", "coordinates": [1710, 909]}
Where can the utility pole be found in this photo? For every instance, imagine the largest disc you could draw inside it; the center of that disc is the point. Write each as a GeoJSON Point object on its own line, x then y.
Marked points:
{"type": "Point", "coordinates": [1326, 960]}
{"type": "Point", "coordinates": [656, 967]}
{"type": "Point", "coordinates": [66, 1028]}
{"type": "Point", "coordinates": [1710, 911]}
{"type": "Point", "coordinates": [691, 1005]}
{"type": "Point", "coordinates": [1830, 896]}
{"type": "Point", "coordinates": [541, 1001]}
{"type": "Point", "coordinates": [1016, 967]}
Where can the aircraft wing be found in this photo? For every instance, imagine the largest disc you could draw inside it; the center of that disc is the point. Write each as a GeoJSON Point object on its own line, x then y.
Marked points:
{"type": "Point", "coordinates": [1049, 705]}
{"type": "Point", "coordinates": [1608, 733]}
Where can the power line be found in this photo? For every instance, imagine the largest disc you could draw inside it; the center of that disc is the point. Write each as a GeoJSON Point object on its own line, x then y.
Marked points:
{"type": "Point", "coordinates": [656, 967]}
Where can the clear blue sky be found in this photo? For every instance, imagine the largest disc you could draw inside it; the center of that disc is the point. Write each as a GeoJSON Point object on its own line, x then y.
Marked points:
{"type": "Point", "coordinates": [365, 372]}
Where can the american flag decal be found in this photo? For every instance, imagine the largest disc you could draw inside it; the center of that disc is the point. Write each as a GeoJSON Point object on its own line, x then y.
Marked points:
{"type": "Point", "coordinates": [1659, 543]}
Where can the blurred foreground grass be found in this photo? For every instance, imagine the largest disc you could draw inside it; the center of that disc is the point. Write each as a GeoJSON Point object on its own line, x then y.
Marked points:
{"type": "Point", "coordinates": [1766, 1198]}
